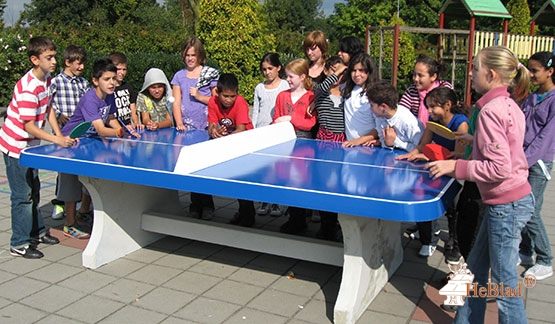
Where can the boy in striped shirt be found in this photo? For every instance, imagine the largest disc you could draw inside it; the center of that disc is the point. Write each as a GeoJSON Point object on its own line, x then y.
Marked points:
{"type": "Point", "coordinates": [25, 118]}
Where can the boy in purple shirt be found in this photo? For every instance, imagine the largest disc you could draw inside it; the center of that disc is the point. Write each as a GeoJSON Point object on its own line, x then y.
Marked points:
{"type": "Point", "coordinates": [96, 106]}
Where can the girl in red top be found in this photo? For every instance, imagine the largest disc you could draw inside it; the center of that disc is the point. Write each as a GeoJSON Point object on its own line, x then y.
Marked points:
{"type": "Point", "coordinates": [292, 104]}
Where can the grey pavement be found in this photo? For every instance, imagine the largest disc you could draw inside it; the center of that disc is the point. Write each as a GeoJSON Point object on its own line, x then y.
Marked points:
{"type": "Point", "coordinates": [177, 280]}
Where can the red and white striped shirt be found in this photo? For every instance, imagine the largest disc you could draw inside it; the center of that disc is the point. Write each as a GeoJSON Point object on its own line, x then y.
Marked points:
{"type": "Point", "coordinates": [29, 104]}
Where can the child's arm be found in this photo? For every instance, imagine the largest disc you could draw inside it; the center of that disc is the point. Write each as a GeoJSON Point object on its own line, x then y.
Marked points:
{"type": "Point", "coordinates": [459, 144]}
{"type": "Point", "coordinates": [195, 93]}
{"type": "Point", "coordinates": [145, 117]}
{"type": "Point", "coordinates": [494, 147]}
{"type": "Point", "coordinates": [278, 109]}
{"type": "Point", "coordinates": [176, 92]}
{"type": "Point", "coordinates": [135, 117]}
{"type": "Point", "coordinates": [239, 128]}
{"type": "Point", "coordinates": [255, 107]}
{"type": "Point", "coordinates": [415, 154]}
{"type": "Point", "coordinates": [166, 122]}
{"type": "Point", "coordinates": [215, 130]}
{"type": "Point", "coordinates": [35, 131]}
{"type": "Point", "coordinates": [152, 125]}
{"type": "Point", "coordinates": [115, 129]}
{"type": "Point", "coordinates": [53, 121]}
{"type": "Point", "coordinates": [242, 117]}
{"type": "Point", "coordinates": [369, 139]}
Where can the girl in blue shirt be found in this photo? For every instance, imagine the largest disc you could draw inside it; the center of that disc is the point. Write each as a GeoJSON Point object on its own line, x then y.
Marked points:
{"type": "Point", "coordinates": [444, 109]}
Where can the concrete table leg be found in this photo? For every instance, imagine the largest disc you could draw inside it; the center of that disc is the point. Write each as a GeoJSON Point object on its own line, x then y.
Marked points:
{"type": "Point", "coordinates": [372, 253]}
{"type": "Point", "coordinates": [117, 218]}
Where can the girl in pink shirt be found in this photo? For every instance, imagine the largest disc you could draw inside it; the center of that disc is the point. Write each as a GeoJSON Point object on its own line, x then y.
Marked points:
{"type": "Point", "coordinates": [499, 168]}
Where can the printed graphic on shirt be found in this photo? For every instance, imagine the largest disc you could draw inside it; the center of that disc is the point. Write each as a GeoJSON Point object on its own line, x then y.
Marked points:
{"type": "Point", "coordinates": [228, 123]}
{"type": "Point", "coordinates": [123, 105]}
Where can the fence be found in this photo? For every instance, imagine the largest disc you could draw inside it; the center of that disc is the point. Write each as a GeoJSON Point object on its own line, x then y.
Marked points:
{"type": "Point", "coordinates": [523, 46]}
{"type": "Point", "coordinates": [451, 46]}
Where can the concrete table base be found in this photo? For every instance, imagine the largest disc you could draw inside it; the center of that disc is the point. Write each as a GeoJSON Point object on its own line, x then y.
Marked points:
{"type": "Point", "coordinates": [128, 217]}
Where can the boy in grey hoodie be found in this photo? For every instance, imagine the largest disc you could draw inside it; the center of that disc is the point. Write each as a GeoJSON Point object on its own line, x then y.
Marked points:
{"type": "Point", "coordinates": [155, 100]}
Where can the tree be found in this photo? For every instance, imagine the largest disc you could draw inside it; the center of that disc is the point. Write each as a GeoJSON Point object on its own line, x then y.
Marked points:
{"type": "Point", "coordinates": [70, 13]}
{"type": "Point", "coordinates": [520, 24]}
{"type": "Point", "coordinates": [2, 8]}
{"type": "Point", "coordinates": [353, 17]}
{"type": "Point", "coordinates": [407, 54]}
{"type": "Point", "coordinates": [292, 15]}
{"type": "Point", "coordinates": [235, 35]}
{"type": "Point", "coordinates": [290, 20]}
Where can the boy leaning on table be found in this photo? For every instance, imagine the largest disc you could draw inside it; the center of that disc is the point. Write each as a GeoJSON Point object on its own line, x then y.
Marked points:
{"type": "Point", "coordinates": [25, 119]}
{"type": "Point", "coordinates": [228, 113]}
{"type": "Point", "coordinates": [98, 107]}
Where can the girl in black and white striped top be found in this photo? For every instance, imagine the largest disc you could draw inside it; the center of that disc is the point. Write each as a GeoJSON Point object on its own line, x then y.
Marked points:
{"type": "Point", "coordinates": [328, 102]}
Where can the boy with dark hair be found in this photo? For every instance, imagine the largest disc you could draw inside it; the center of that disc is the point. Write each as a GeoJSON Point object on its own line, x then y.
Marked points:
{"type": "Point", "coordinates": [228, 113]}
{"type": "Point", "coordinates": [124, 95]}
{"type": "Point", "coordinates": [66, 89]}
{"type": "Point", "coordinates": [26, 115]}
{"type": "Point", "coordinates": [396, 126]}
{"type": "Point", "coordinates": [96, 106]}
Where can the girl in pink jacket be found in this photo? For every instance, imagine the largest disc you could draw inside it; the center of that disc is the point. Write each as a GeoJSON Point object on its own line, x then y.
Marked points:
{"type": "Point", "coordinates": [499, 168]}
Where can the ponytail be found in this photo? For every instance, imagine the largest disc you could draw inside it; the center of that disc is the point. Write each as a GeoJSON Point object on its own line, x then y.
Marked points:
{"type": "Point", "coordinates": [510, 70]}
{"type": "Point", "coordinates": [520, 85]}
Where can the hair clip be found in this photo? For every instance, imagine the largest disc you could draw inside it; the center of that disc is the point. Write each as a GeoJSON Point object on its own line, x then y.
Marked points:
{"type": "Point", "coordinates": [549, 63]}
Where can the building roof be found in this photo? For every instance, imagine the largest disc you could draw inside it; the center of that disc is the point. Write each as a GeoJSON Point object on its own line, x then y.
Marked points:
{"type": "Point", "coordinates": [544, 16]}
{"type": "Point", "coordinates": [481, 8]}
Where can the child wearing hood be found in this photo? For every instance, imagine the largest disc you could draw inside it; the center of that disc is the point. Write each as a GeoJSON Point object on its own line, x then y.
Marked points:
{"type": "Point", "coordinates": [155, 100]}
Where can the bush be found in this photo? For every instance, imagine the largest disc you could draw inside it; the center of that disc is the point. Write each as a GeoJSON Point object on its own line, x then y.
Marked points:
{"type": "Point", "coordinates": [407, 53]}
{"type": "Point", "coordinates": [14, 62]}
{"type": "Point", "coordinates": [235, 36]}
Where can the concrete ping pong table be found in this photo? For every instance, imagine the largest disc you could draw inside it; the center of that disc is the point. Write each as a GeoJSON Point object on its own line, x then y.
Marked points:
{"type": "Point", "coordinates": [134, 183]}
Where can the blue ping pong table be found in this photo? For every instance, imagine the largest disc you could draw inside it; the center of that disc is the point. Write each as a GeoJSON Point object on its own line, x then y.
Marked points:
{"type": "Point", "coordinates": [133, 184]}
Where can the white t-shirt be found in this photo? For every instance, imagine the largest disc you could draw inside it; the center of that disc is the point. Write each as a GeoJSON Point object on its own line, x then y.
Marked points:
{"type": "Point", "coordinates": [406, 125]}
{"type": "Point", "coordinates": [359, 119]}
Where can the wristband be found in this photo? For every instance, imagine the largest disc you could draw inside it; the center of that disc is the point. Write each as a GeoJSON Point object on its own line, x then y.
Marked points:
{"type": "Point", "coordinates": [119, 132]}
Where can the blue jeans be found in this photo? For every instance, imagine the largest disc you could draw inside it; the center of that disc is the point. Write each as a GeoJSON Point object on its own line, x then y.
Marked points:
{"type": "Point", "coordinates": [25, 195]}
{"type": "Point", "coordinates": [534, 236]}
{"type": "Point", "coordinates": [496, 247]}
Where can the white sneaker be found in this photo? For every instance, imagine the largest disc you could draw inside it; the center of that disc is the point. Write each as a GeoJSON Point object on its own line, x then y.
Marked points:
{"type": "Point", "coordinates": [414, 235]}
{"type": "Point", "coordinates": [427, 251]}
{"type": "Point", "coordinates": [540, 271]}
{"type": "Point", "coordinates": [58, 212]}
{"type": "Point", "coordinates": [263, 209]}
{"type": "Point", "coordinates": [275, 210]}
{"type": "Point", "coordinates": [525, 260]}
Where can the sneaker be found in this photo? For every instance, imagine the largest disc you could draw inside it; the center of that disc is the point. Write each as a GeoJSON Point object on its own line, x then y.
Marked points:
{"type": "Point", "coordinates": [28, 252]}
{"type": "Point", "coordinates": [427, 250]}
{"type": "Point", "coordinates": [452, 255]}
{"type": "Point", "coordinates": [525, 261]}
{"type": "Point", "coordinates": [275, 211]}
{"type": "Point", "coordinates": [315, 217]}
{"type": "Point", "coordinates": [207, 213]}
{"type": "Point", "coordinates": [263, 209]}
{"type": "Point", "coordinates": [45, 239]}
{"type": "Point", "coordinates": [74, 232]}
{"type": "Point", "coordinates": [58, 212]}
{"type": "Point", "coordinates": [540, 271]}
{"type": "Point", "coordinates": [414, 235]}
